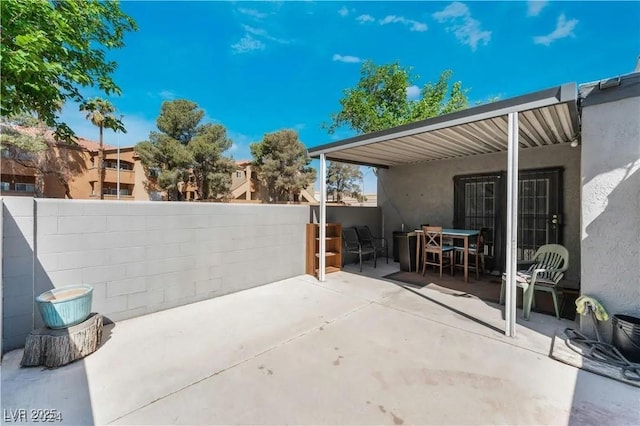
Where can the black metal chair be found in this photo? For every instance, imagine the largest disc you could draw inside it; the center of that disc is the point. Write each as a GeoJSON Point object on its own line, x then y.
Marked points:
{"type": "Point", "coordinates": [352, 244]}
{"type": "Point", "coordinates": [368, 240]}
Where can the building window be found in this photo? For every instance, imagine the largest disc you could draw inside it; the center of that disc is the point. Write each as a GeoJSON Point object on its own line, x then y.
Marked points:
{"type": "Point", "coordinates": [111, 164]}
{"type": "Point", "coordinates": [5, 186]}
{"type": "Point", "coordinates": [114, 191]}
{"type": "Point", "coordinates": [25, 187]}
{"type": "Point", "coordinates": [239, 175]}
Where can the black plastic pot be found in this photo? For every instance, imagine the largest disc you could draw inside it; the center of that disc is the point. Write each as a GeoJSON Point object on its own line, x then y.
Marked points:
{"type": "Point", "coordinates": [626, 336]}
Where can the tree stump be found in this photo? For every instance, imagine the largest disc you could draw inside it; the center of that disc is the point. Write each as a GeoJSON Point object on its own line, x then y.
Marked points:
{"type": "Point", "coordinates": [55, 348]}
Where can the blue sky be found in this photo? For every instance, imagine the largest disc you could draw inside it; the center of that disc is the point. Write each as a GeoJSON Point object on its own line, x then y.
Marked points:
{"type": "Point", "coordinates": [258, 67]}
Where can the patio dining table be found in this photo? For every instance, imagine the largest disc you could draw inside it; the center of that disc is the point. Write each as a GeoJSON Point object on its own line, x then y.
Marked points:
{"type": "Point", "coordinates": [462, 234]}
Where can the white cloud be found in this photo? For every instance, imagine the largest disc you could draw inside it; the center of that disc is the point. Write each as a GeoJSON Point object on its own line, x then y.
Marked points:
{"type": "Point", "coordinates": [252, 12]}
{"type": "Point", "coordinates": [418, 26]}
{"type": "Point", "coordinates": [348, 59]}
{"type": "Point", "coordinates": [365, 18]}
{"type": "Point", "coordinates": [247, 44]}
{"type": "Point", "coordinates": [466, 29]}
{"type": "Point", "coordinates": [391, 19]}
{"type": "Point", "coordinates": [343, 11]}
{"type": "Point", "coordinates": [413, 92]}
{"type": "Point", "coordinates": [254, 39]}
{"type": "Point", "coordinates": [535, 6]}
{"type": "Point", "coordinates": [264, 34]}
{"type": "Point", "coordinates": [167, 94]}
{"type": "Point", "coordinates": [563, 29]}
{"type": "Point", "coordinates": [413, 25]}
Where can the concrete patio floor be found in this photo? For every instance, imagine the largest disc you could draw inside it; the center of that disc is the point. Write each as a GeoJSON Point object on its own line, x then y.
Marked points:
{"type": "Point", "coordinates": [352, 350]}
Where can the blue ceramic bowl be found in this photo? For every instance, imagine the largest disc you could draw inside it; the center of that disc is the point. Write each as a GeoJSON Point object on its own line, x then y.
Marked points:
{"type": "Point", "coordinates": [65, 306]}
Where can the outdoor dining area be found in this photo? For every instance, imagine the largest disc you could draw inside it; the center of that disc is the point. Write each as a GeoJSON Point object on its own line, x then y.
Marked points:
{"type": "Point", "coordinates": [443, 258]}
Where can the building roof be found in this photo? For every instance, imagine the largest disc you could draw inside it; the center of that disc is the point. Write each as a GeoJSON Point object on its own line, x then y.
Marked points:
{"type": "Point", "coordinates": [90, 145]}
{"type": "Point", "coordinates": [546, 117]}
{"type": "Point", "coordinates": [610, 89]}
{"type": "Point", "coordinates": [87, 144]}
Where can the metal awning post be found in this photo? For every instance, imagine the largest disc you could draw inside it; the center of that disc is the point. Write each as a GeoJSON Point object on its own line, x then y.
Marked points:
{"type": "Point", "coordinates": [512, 225]}
{"type": "Point", "coordinates": [323, 218]}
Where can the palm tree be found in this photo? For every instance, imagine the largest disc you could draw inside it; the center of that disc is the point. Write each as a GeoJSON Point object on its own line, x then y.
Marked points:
{"type": "Point", "coordinates": [100, 113]}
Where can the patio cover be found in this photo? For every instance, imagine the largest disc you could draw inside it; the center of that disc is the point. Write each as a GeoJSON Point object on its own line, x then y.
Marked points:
{"type": "Point", "coordinates": [537, 119]}
{"type": "Point", "coordinates": [546, 117]}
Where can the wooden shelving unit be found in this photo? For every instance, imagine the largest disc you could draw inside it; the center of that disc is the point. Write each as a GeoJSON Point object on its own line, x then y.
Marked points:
{"type": "Point", "coordinates": [333, 251]}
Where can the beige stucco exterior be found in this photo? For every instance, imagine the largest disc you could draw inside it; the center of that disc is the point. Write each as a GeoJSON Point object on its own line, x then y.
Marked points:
{"type": "Point", "coordinates": [424, 193]}
{"type": "Point", "coordinates": [610, 184]}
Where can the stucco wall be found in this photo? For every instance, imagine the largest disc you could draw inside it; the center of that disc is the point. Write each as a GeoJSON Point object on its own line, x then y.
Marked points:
{"type": "Point", "coordinates": [611, 206]}
{"type": "Point", "coordinates": [423, 193]}
{"type": "Point", "coordinates": [142, 257]}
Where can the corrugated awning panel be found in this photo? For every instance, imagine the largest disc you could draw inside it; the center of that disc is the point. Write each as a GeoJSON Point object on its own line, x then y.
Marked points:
{"type": "Point", "coordinates": [538, 127]}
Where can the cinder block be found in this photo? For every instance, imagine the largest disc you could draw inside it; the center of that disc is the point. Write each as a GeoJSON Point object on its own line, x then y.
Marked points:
{"type": "Point", "coordinates": [47, 262]}
{"type": "Point", "coordinates": [109, 305]}
{"type": "Point", "coordinates": [175, 236]}
{"type": "Point", "coordinates": [17, 286]}
{"type": "Point", "coordinates": [17, 306]}
{"type": "Point", "coordinates": [138, 300]}
{"type": "Point", "coordinates": [47, 244]}
{"type": "Point", "coordinates": [65, 277]}
{"type": "Point", "coordinates": [18, 227]}
{"type": "Point", "coordinates": [46, 225]}
{"type": "Point", "coordinates": [179, 291]}
{"type": "Point", "coordinates": [94, 274]}
{"type": "Point", "coordinates": [136, 269]}
{"type": "Point", "coordinates": [155, 223]}
{"type": "Point", "coordinates": [47, 207]}
{"type": "Point", "coordinates": [17, 266]}
{"type": "Point", "coordinates": [208, 286]}
{"type": "Point", "coordinates": [125, 255]}
{"type": "Point", "coordinates": [124, 287]}
{"type": "Point", "coordinates": [81, 224]}
{"type": "Point", "coordinates": [15, 331]}
{"type": "Point", "coordinates": [115, 273]}
{"type": "Point", "coordinates": [131, 223]}
{"type": "Point", "coordinates": [16, 247]}
{"type": "Point", "coordinates": [95, 208]}
{"type": "Point", "coordinates": [70, 207]}
{"type": "Point", "coordinates": [18, 206]}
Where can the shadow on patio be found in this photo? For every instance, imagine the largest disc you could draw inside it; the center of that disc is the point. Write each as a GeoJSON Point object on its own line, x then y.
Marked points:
{"type": "Point", "coordinates": [472, 306]}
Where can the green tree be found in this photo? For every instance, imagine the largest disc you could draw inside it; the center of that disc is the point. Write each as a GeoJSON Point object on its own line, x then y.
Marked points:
{"type": "Point", "coordinates": [342, 180]}
{"type": "Point", "coordinates": [100, 113]}
{"type": "Point", "coordinates": [379, 99]}
{"type": "Point", "coordinates": [282, 163]}
{"type": "Point", "coordinates": [51, 48]}
{"type": "Point", "coordinates": [210, 167]}
{"type": "Point", "coordinates": [185, 147]}
{"type": "Point", "coordinates": [29, 143]}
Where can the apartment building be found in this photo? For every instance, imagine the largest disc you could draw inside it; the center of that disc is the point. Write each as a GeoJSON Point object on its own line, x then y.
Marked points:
{"type": "Point", "coordinates": [245, 186]}
{"type": "Point", "coordinates": [72, 171]}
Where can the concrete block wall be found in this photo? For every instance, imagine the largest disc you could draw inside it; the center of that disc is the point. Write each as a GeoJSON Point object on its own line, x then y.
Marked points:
{"type": "Point", "coordinates": [143, 257]}
{"type": "Point", "coordinates": [17, 270]}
